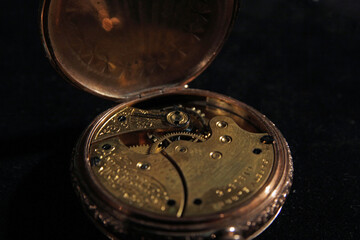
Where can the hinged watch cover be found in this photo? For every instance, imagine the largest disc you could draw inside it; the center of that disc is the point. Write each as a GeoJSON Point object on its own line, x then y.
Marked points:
{"type": "Point", "coordinates": [119, 49]}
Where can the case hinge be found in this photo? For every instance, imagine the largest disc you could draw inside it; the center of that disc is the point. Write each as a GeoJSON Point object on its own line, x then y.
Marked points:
{"type": "Point", "coordinates": [152, 92]}
{"type": "Point", "coordinates": [159, 91]}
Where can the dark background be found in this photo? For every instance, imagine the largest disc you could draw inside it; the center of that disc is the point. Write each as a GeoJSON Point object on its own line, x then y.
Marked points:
{"type": "Point", "coordinates": [295, 61]}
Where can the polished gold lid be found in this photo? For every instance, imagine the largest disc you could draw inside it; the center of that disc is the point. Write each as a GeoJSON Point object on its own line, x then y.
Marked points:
{"type": "Point", "coordinates": [120, 49]}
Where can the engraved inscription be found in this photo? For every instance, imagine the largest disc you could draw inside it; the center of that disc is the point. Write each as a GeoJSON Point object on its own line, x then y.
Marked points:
{"type": "Point", "coordinates": [118, 174]}
{"type": "Point", "coordinates": [172, 172]}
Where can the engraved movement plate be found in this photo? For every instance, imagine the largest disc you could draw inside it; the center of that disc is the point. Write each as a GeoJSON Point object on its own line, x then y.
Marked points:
{"type": "Point", "coordinates": [183, 163]}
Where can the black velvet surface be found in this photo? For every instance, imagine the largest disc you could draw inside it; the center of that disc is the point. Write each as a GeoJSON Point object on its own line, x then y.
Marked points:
{"type": "Point", "coordinates": [295, 61]}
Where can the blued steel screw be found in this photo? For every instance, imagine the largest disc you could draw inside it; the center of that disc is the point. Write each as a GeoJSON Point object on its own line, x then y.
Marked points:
{"type": "Point", "coordinates": [94, 161]}
{"type": "Point", "coordinates": [122, 118]}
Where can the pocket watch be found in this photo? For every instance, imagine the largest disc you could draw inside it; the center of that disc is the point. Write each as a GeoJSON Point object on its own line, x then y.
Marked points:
{"type": "Point", "coordinates": [168, 162]}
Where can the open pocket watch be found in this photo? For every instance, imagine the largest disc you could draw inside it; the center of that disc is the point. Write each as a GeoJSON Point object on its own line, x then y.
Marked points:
{"type": "Point", "coordinates": [168, 162]}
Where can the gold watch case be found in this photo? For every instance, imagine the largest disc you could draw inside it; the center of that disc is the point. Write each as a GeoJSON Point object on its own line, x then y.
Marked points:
{"type": "Point", "coordinates": [168, 162]}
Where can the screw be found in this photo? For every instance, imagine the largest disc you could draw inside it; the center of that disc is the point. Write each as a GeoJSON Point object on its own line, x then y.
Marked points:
{"type": "Point", "coordinates": [267, 139]}
{"type": "Point", "coordinates": [94, 161]}
{"type": "Point", "coordinates": [106, 146]}
{"type": "Point", "coordinates": [181, 149]}
{"type": "Point", "coordinates": [197, 201]}
{"type": "Point", "coordinates": [171, 202]}
{"type": "Point", "coordinates": [177, 118]}
{"type": "Point", "coordinates": [143, 166]}
{"type": "Point", "coordinates": [122, 118]}
{"type": "Point", "coordinates": [216, 155]}
{"type": "Point", "coordinates": [257, 151]}
{"type": "Point", "coordinates": [225, 139]}
{"type": "Point", "coordinates": [221, 124]}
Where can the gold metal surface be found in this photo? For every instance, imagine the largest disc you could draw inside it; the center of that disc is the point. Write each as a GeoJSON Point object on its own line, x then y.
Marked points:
{"type": "Point", "coordinates": [177, 118]}
{"type": "Point", "coordinates": [180, 174]}
{"type": "Point", "coordinates": [140, 176]}
{"type": "Point", "coordinates": [121, 172]}
{"type": "Point", "coordinates": [131, 120]}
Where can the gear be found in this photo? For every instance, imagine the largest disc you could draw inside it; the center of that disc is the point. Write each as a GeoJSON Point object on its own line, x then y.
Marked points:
{"type": "Point", "coordinates": [198, 121]}
{"type": "Point", "coordinates": [143, 149]}
{"type": "Point", "coordinates": [198, 125]}
{"type": "Point", "coordinates": [165, 140]}
{"type": "Point", "coordinates": [198, 111]}
{"type": "Point", "coordinates": [193, 110]}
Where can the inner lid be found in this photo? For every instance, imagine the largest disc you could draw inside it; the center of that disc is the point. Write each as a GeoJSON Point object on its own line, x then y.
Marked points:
{"type": "Point", "coordinates": [121, 48]}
